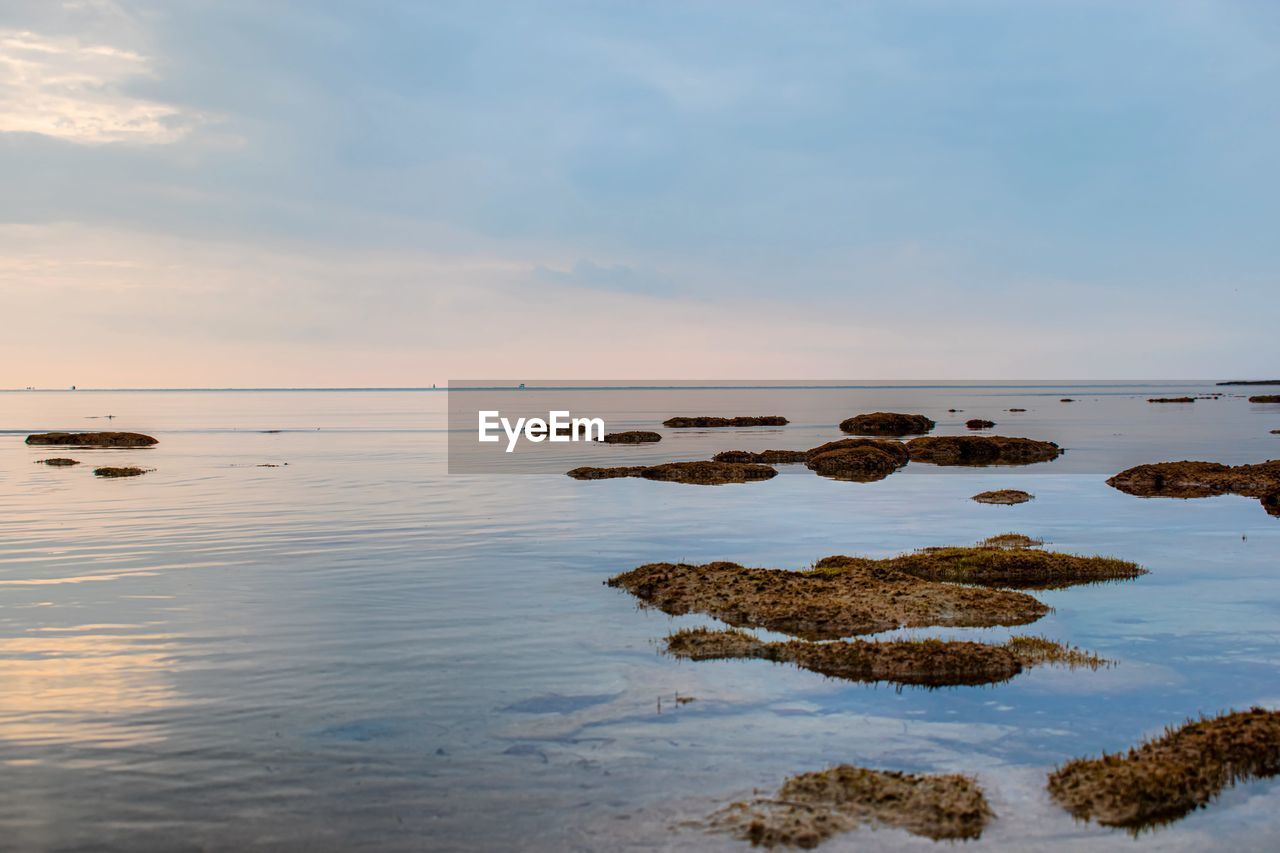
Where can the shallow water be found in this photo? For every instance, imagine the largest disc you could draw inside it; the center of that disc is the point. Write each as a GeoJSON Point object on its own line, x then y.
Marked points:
{"type": "Point", "coordinates": [359, 650]}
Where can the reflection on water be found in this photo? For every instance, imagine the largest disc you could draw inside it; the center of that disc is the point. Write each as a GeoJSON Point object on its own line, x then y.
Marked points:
{"type": "Point", "coordinates": [357, 650]}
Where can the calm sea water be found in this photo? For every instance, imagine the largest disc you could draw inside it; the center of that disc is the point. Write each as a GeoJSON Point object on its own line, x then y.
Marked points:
{"type": "Point", "coordinates": [357, 650]}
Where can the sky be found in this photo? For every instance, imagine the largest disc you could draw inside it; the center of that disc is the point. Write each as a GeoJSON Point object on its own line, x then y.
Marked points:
{"type": "Point", "coordinates": [260, 194]}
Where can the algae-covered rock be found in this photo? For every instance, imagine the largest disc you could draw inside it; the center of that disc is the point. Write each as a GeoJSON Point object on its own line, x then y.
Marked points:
{"type": "Point", "coordinates": [887, 423]}
{"type": "Point", "coordinates": [706, 421]}
{"type": "Point", "coordinates": [894, 448]}
{"type": "Point", "coordinates": [858, 464]}
{"type": "Point", "coordinates": [826, 604]}
{"type": "Point", "coordinates": [981, 450]}
{"type": "Point", "coordinates": [1163, 779]}
{"type": "Point", "coordinates": [58, 462]}
{"type": "Point", "coordinates": [998, 565]}
{"type": "Point", "coordinates": [1171, 399]}
{"type": "Point", "coordinates": [979, 423]}
{"type": "Point", "coordinates": [1010, 540]}
{"type": "Point", "coordinates": [812, 807]}
{"type": "Point", "coordinates": [1004, 497]}
{"type": "Point", "coordinates": [1193, 479]}
{"type": "Point", "coordinates": [921, 663]}
{"type": "Point", "coordinates": [92, 439]}
{"type": "Point", "coordinates": [1265, 398]}
{"type": "Point", "coordinates": [765, 457]}
{"type": "Point", "coordinates": [637, 436]}
{"type": "Point", "coordinates": [703, 473]}
{"type": "Point", "coordinates": [125, 471]}
{"type": "Point", "coordinates": [708, 473]}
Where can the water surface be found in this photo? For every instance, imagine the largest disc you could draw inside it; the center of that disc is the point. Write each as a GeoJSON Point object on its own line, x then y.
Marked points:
{"type": "Point", "coordinates": [357, 650]}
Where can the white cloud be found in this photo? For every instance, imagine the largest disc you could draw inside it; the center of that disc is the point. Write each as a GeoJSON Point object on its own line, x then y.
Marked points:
{"type": "Point", "coordinates": [65, 88]}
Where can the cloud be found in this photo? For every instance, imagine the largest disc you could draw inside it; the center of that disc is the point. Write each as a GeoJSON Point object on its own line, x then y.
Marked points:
{"type": "Point", "coordinates": [58, 86]}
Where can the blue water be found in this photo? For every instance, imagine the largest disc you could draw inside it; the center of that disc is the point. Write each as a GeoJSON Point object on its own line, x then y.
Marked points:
{"type": "Point", "coordinates": [357, 650]}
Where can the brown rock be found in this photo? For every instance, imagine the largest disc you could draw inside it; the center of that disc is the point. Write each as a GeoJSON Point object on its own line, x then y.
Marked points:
{"type": "Point", "coordinates": [1164, 779]}
{"type": "Point", "coordinates": [766, 457]}
{"type": "Point", "coordinates": [1005, 497]}
{"type": "Point", "coordinates": [981, 450]}
{"type": "Point", "coordinates": [127, 471]}
{"type": "Point", "coordinates": [812, 807]}
{"type": "Point", "coordinates": [979, 423]}
{"type": "Point", "coordinates": [92, 439]}
{"type": "Point", "coordinates": [1171, 399]}
{"type": "Point", "coordinates": [823, 604]}
{"type": "Point", "coordinates": [857, 464]}
{"type": "Point", "coordinates": [698, 473]}
{"type": "Point", "coordinates": [706, 421]}
{"type": "Point", "coordinates": [632, 437]}
{"type": "Point", "coordinates": [1265, 398]}
{"type": "Point", "coordinates": [1201, 480]}
{"type": "Point", "coordinates": [58, 462]}
{"type": "Point", "coordinates": [886, 423]}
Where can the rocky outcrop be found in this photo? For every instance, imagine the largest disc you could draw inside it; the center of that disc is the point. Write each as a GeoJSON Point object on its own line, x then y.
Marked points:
{"type": "Point", "coordinates": [706, 421]}
{"type": "Point", "coordinates": [636, 436]}
{"type": "Point", "coordinates": [91, 439]}
{"type": "Point", "coordinates": [981, 450]}
{"type": "Point", "coordinates": [887, 423]}
{"type": "Point", "coordinates": [1202, 480]}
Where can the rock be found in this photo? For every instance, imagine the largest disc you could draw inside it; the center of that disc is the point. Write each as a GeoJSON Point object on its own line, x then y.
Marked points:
{"type": "Point", "coordinates": [632, 437]}
{"type": "Point", "coordinates": [1251, 382]}
{"type": "Point", "coordinates": [978, 423]}
{"type": "Point", "coordinates": [1010, 540]}
{"type": "Point", "coordinates": [857, 464]}
{"type": "Point", "coordinates": [590, 473]}
{"type": "Point", "coordinates": [766, 457]}
{"type": "Point", "coordinates": [1200, 480]}
{"type": "Point", "coordinates": [707, 421]}
{"type": "Point", "coordinates": [92, 439]}
{"type": "Point", "coordinates": [1265, 398]}
{"type": "Point", "coordinates": [895, 449]}
{"type": "Point", "coordinates": [1167, 777]}
{"type": "Point", "coordinates": [886, 423]}
{"type": "Point", "coordinates": [1171, 399]}
{"type": "Point", "coordinates": [698, 473]}
{"type": "Point", "coordinates": [1066, 400]}
{"type": "Point", "coordinates": [1006, 497]}
{"type": "Point", "coordinates": [996, 564]}
{"type": "Point", "coordinates": [861, 598]}
{"type": "Point", "coordinates": [1016, 410]}
{"type": "Point", "coordinates": [58, 462]}
{"type": "Point", "coordinates": [708, 473]}
{"type": "Point", "coordinates": [924, 663]}
{"type": "Point", "coordinates": [981, 450]}
{"type": "Point", "coordinates": [812, 807]}
{"type": "Point", "coordinates": [127, 471]}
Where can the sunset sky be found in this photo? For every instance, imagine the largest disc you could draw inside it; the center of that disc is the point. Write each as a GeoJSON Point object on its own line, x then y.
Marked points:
{"type": "Point", "coordinates": [249, 193]}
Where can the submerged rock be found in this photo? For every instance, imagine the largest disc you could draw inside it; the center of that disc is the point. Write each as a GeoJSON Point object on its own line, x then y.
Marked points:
{"type": "Point", "coordinates": [886, 423]}
{"type": "Point", "coordinates": [1066, 400]}
{"type": "Point", "coordinates": [1171, 399]}
{"type": "Point", "coordinates": [126, 471]}
{"type": "Point", "coordinates": [92, 439]}
{"type": "Point", "coordinates": [979, 423]}
{"type": "Point", "coordinates": [981, 450]}
{"type": "Point", "coordinates": [1265, 398]}
{"type": "Point", "coordinates": [766, 457]}
{"type": "Point", "coordinates": [1164, 779]}
{"type": "Point", "coordinates": [699, 473]}
{"type": "Point", "coordinates": [999, 565]}
{"type": "Point", "coordinates": [858, 464]}
{"type": "Point", "coordinates": [637, 436]}
{"type": "Point", "coordinates": [812, 807]}
{"type": "Point", "coordinates": [1201, 480]}
{"type": "Point", "coordinates": [923, 663]}
{"type": "Point", "coordinates": [893, 448]}
{"type": "Point", "coordinates": [706, 421]}
{"type": "Point", "coordinates": [1010, 540]}
{"type": "Point", "coordinates": [1005, 497]}
{"type": "Point", "coordinates": [1016, 410]}
{"type": "Point", "coordinates": [823, 604]}
{"type": "Point", "coordinates": [58, 462]}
